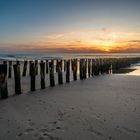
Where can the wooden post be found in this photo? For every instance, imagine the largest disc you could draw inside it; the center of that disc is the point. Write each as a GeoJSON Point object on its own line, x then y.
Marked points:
{"type": "Point", "coordinates": [36, 67]}
{"type": "Point", "coordinates": [18, 63]}
{"type": "Point", "coordinates": [42, 73]}
{"type": "Point", "coordinates": [74, 67]}
{"type": "Point", "coordinates": [64, 65]}
{"type": "Point", "coordinates": [4, 62]}
{"type": "Point", "coordinates": [10, 69]}
{"type": "Point", "coordinates": [30, 67]}
{"type": "Point", "coordinates": [59, 69]}
{"type": "Point", "coordinates": [92, 73]}
{"type": "Point", "coordinates": [51, 67]}
{"type": "Point", "coordinates": [47, 67]}
{"type": "Point", "coordinates": [57, 65]}
{"type": "Point", "coordinates": [81, 69]}
{"type": "Point", "coordinates": [3, 81]}
{"type": "Point", "coordinates": [17, 79]}
{"type": "Point", "coordinates": [95, 67]}
{"type": "Point", "coordinates": [85, 68]}
{"type": "Point", "coordinates": [32, 76]}
{"type": "Point", "coordinates": [101, 66]}
{"type": "Point", "coordinates": [24, 68]}
{"type": "Point", "coordinates": [89, 68]}
{"type": "Point", "coordinates": [68, 71]}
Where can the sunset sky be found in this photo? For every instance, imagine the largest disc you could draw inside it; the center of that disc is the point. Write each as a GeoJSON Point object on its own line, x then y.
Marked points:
{"type": "Point", "coordinates": [69, 26]}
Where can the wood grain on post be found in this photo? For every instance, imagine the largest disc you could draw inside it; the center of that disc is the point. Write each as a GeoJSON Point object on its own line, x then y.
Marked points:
{"type": "Point", "coordinates": [10, 69]}
{"type": "Point", "coordinates": [99, 65]}
{"type": "Point", "coordinates": [3, 81]}
{"type": "Point", "coordinates": [85, 68]}
{"type": "Point", "coordinates": [33, 76]}
{"type": "Point", "coordinates": [36, 67]}
{"type": "Point", "coordinates": [89, 67]}
{"type": "Point", "coordinates": [92, 73]}
{"type": "Point", "coordinates": [24, 68]}
{"type": "Point", "coordinates": [17, 79]}
{"type": "Point", "coordinates": [102, 66]}
{"type": "Point", "coordinates": [64, 65]}
{"type": "Point", "coordinates": [68, 71]}
{"type": "Point", "coordinates": [74, 67]}
{"type": "Point", "coordinates": [47, 66]}
{"type": "Point", "coordinates": [96, 71]}
{"type": "Point", "coordinates": [51, 67]}
{"type": "Point", "coordinates": [42, 74]}
{"type": "Point", "coordinates": [81, 69]}
{"type": "Point", "coordinates": [30, 67]}
{"type": "Point", "coordinates": [59, 70]}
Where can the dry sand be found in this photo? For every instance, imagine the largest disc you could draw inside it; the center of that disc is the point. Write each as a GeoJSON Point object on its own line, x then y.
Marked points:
{"type": "Point", "coordinates": [100, 108]}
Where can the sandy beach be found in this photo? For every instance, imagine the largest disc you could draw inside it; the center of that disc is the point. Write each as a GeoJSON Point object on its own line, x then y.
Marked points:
{"type": "Point", "coordinates": [69, 69]}
{"type": "Point", "coordinates": [99, 108]}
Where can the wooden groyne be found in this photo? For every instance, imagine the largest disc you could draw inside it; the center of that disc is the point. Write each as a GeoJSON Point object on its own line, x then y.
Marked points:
{"type": "Point", "coordinates": [64, 68]}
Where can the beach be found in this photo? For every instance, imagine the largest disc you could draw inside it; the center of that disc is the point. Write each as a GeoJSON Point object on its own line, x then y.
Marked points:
{"type": "Point", "coordinates": [102, 107]}
{"type": "Point", "coordinates": [70, 70]}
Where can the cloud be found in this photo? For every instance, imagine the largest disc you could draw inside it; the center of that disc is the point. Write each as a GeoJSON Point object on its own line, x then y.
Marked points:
{"type": "Point", "coordinates": [56, 36]}
{"type": "Point", "coordinates": [102, 40]}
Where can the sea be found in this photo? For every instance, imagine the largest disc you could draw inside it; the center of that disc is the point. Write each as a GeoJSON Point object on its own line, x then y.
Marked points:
{"type": "Point", "coordinates": [42, 56]}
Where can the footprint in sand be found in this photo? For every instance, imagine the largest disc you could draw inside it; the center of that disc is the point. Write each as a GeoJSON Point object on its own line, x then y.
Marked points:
{"type": "Point", "coordinates": [31, 124]}
{"type": "Point", "coordinates": [44, 130]}
{"type": "Point", "coordinates": [129, 130]}
{"type": "Point", "coordinates": [28, 130]}
{"type": "Point", "coordinates": [19, 135]}
{"type": "Point", "coordinates": [54, 122]}
{"type": "Point", "coordinates": [47, 135]}
{"type": "Point", "coordinates": [36, 135]}
{"type": "Point", "coordinates": [96, 133]}
{"type": "Point", "coordinates": [41, 138]}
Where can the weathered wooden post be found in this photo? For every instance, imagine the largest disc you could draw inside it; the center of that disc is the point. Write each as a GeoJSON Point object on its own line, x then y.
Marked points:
{"type": "Point", "coordinates": [3, 81]}
{"type": "Point", "coordinates": [24, 68]}
{"type": "Point", "coordinates": [59, 70]}
{"type": "Point", "coordinates": [85, 67]}
{"type": "Point", "coordinates": [4, 62]}
{"type": "Point", "coordinates": [57, 63]}
{"type": "Point", "coordinates": [102, 66]}
{"type": "Point", "coordinates": [42, 74]}
{"type": "Point", "coordinates": [92, 73]}
{"type": "Point", "coordinates": [36, 67]}
{"type": "Point", "coordinates": [30, 67]}
{"type": "Point", "coordinates": [32, 76]}
{"type": "Point", "coordinates": [17, 78]}
{"type": "Point", "coordinates": [95, 67]}
{"type": "Point", "coordinates": [67, 71]}
{"type": "Point", "coordinates": [89, 67]}
{"type": "Point", "coordinates": [109, 67]}
{"type": "Point", "coordinates": [74, 65]}
{"type": "Point", "coordinates": [47, 66]}
{"type": "Point", "coordinates": [18, 63]}
{"type": "Point", "coordinates": [81, 69]}
{"type": "Point", "coordinates": [10, 69]}
{"type": "Point", "coordinates": [64, 65]}
{"type": "Point", "coordinates": [51, 67]}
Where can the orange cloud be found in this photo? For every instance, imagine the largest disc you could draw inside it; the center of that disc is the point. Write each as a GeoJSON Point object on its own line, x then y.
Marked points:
{"type": "Point", "coordinates": [102, 40]}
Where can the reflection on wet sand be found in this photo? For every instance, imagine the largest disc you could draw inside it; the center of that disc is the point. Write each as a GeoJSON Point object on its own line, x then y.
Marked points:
{"type": "Point", "coordinates": [136, 71]}
{"type": "Point", "coordinates": [133, 70]}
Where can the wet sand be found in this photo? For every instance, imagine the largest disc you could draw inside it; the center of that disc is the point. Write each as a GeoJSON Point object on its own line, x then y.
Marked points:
{"type": "Point", "coordinates": [100, 108]}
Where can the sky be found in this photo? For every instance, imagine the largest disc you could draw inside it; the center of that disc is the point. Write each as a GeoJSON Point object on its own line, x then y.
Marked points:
{"type": "Point", "coordinates": [59, 26]}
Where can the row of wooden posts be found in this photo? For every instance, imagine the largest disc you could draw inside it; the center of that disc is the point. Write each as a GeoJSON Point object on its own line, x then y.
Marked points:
{"type": "Point", "coordinates": [90, 67]}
